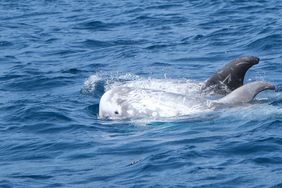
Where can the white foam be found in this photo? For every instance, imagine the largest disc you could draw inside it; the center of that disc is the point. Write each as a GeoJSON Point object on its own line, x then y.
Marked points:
{"type": "Point", "coordinates": [184, 87]}
{"type": "Point", "coordinates": [89, 85]}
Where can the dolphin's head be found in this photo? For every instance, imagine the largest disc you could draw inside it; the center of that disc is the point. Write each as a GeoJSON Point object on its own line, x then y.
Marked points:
{"type": "Point", "coordinates": [109, 109]}
{"type": "Point", "coordinates": [113, 104]}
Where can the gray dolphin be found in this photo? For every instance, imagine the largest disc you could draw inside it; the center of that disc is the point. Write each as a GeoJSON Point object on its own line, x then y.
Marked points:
{"type": "Point", "coordinates": [231, 76]}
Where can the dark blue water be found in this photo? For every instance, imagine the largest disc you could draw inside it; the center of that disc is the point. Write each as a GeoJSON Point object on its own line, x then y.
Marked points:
{"type": "Point", "coordinates": [50, 135]}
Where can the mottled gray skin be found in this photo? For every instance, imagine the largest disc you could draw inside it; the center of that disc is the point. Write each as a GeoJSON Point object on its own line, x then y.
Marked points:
{"type": "Point", "coordinates": [231, 76]}
{"type": "Point", "coordinates": [245, 93]}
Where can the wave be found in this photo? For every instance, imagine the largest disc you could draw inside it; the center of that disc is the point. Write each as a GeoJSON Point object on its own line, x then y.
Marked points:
{"type": "Point", "coordinates": [266, 42]}
{"type": "Point", "coordinates": [96, 25]}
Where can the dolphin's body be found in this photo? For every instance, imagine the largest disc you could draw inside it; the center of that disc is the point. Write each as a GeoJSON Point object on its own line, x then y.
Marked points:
{"type": "Point", "coordinates": [130, 102]}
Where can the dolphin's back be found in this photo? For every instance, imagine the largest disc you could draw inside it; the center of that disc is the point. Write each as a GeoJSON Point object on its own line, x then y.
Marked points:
{"type": "Point", "coordinates": [231, 76]}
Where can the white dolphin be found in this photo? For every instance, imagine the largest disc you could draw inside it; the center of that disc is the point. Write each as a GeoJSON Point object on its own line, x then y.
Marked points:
{"type": "Point", "coordinates": [127, 102]}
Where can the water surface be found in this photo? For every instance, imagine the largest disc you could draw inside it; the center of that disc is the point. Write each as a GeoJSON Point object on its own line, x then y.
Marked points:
{"type": "Point", "coordinates": [50, 135]}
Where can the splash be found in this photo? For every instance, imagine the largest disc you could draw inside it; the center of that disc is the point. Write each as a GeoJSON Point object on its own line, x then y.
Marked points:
{"type": "Point", "coordinates": [90, 85]}
{"type": "Point", "coordinates": [178, 86]}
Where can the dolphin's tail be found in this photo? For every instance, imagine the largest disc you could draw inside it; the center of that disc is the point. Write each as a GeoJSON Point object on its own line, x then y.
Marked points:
{"type": "Point", "coordinates": [231, 76]}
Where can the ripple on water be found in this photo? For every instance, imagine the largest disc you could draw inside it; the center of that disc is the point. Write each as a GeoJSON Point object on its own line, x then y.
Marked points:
{"type": "Point", "coordinates": [268, 42]}
{"type": "Point", "coordinates": [97, 25]}
{"type": "Point", "coordinates": [50, 132]}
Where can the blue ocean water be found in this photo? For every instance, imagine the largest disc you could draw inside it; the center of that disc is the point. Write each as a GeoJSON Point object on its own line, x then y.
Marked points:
{"type": "Point", "coordinates": [50, 133]}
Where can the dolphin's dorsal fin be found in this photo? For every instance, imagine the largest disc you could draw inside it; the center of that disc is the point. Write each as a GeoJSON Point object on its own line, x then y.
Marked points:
{"type": "Point", "coordinates": [231, 76]}
{"type": "Point", "coordinates": [245, 93]}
